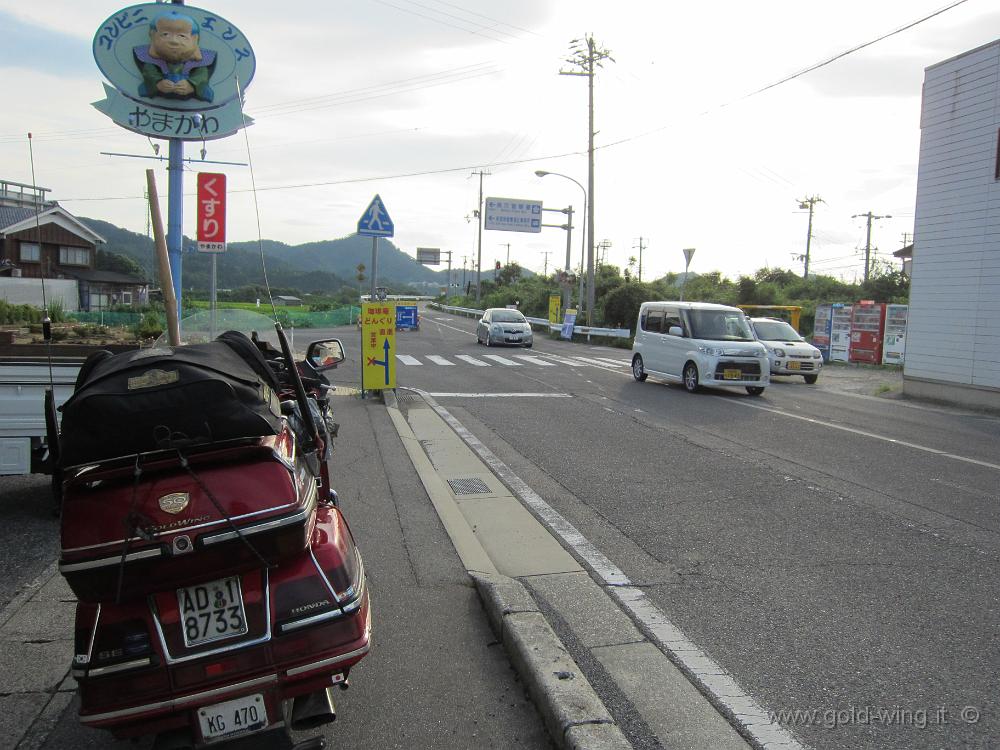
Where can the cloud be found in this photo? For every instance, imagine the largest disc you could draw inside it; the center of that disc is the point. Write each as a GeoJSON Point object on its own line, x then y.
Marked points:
{"type": "Point", "coordinates": [870, 76]}
{"type": "Point", "coordinates": [31, 47]}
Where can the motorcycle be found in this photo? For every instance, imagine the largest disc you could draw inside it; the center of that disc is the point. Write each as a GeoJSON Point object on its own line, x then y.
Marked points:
{"type": "Point", "coordinates": [220, 590]}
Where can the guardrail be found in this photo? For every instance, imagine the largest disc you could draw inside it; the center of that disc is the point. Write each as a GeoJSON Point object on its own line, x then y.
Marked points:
{"type": "Point", "coordinates": [588, 331]}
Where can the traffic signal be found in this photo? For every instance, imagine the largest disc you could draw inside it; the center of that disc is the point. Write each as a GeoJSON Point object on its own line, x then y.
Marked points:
{"type": "Point", "coordinates": [497, 266]}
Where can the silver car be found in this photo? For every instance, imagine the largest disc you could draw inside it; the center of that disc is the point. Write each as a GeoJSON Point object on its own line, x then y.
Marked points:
{"type": "Point", "coordinates": [788, 352]}
{"type": "Point", "coordinates": [500, 325]}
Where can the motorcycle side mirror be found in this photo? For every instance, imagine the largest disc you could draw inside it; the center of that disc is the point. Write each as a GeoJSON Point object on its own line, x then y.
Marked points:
{"type": "Point", "coordinates": [325, 354]}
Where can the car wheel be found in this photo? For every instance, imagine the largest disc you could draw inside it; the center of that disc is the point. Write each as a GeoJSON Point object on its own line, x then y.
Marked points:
{"type": "Point", "coordinates": [638, 371]}
{"type": "Point", "coordinates": [691, 377]}
{"type": "Point", "coordinates": [488, 339]}
{"type": "Point", "coordinates": [810, 379]}
{"type": "Point", "coordinates": [755, 390]}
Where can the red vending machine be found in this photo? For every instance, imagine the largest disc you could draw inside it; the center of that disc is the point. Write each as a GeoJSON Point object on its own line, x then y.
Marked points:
{"type": "Point", "coordinates": [867, 331]}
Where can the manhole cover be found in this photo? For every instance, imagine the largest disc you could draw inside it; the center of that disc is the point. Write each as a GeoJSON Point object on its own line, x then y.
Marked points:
{"type": "Point", "coordinates": [471, 486]}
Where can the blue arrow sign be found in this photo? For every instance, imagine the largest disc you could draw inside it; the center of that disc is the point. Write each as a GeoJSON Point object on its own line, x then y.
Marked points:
{"type": "Point", "coordinates": [375, 221]}
{"type": "Point", "coordinates": [384, 363]}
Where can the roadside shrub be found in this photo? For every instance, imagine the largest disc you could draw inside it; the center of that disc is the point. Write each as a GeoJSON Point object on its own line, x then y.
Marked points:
{"type": "Point", "coordinates": [149, 327]}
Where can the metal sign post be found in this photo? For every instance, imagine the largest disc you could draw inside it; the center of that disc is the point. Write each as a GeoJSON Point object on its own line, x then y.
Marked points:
{"type": "Point", "coordinates": [200, 102]}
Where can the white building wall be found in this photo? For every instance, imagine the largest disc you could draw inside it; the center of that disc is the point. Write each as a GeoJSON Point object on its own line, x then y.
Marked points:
{"type": "Point", "coordinates": [953, 334]}
{"type": "Point", "coordinates": [21, 291]}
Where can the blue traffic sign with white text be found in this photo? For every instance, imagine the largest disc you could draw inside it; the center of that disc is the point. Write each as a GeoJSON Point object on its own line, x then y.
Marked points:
{"type": "Point", "coordinates": [375, 221]}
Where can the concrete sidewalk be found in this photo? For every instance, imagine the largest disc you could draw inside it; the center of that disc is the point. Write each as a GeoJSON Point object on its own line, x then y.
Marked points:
{"type": "Point", "coordinates": [36, 645]}
{"type": "Point", "coordinates": [525, 576]}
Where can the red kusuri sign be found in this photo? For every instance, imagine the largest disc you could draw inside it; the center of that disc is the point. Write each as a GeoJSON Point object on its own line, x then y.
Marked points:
{"type": "Point", "coordinates": [211, 212]}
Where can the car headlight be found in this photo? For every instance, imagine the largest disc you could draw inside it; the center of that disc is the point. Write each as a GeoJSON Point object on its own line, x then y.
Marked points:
{"type": "Point", "coordinates": [712, 351]}
{"type": "Point", "coordinates": [497, 328]}
{"type": "Point", "coordinates": [817, 355]}
{"type": "Point", "coordinates": [778, 352]}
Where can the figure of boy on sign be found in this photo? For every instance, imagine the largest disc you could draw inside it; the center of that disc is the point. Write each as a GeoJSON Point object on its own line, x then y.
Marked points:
{"type": "Point", "coordinates": [173, 65]}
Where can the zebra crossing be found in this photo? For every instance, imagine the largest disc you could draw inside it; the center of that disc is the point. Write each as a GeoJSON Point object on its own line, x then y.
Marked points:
{"type": "Point", "coordinates": [512, 360]}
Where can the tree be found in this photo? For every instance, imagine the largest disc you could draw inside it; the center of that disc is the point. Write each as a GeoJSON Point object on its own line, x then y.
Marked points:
{"type": "Point", "coordinates": [109, 261]}
{"type": "Point", "coordinates": [509, 274]}
{"type": "Point", "coordinates": [621, 305]}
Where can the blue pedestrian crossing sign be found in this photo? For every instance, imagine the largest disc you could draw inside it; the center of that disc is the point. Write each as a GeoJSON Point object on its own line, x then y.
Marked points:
{"type": "Point", "coordinates": [375, 221]}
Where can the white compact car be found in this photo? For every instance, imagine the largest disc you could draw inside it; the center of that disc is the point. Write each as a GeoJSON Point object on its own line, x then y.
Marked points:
{"type": "Point", "coordinates": [787, 351]}
{"type": "Point", "coordinates": [500, 325]}
{"type": "Point", "coordinates": [698, 343]}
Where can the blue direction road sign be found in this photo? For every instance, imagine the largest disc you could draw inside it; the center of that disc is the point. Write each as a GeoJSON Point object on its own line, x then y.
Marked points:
{"type": "Point", "coordinates": [406, 317]}
{"type": "Point", "coordinates": [375, 221]}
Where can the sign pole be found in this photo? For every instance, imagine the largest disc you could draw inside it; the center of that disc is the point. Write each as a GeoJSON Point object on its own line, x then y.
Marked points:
{"type": "Point", "coordinates": [374, 267]}
{"type": "Point", "coordinates": [213, 297]}
{"type": "Point", "coordinates": [175, 216]}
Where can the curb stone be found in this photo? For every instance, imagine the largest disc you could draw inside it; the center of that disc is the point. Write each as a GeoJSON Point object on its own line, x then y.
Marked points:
{"type": "Point", "coordinates": [572, 711]}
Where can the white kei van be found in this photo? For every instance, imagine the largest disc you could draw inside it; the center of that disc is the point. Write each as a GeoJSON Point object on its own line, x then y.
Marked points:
{"type": "Point", "coordinates": [698, 343]}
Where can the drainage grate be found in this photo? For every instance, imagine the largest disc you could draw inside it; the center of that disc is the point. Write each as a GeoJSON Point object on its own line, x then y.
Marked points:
{"type": "Point", "coordinates": [471, 486]}
{"type": "Point", "coordinates": [409, 397]}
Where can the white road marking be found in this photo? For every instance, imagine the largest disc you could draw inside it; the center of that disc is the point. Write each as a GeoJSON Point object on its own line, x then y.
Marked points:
{"type": "Point", "coordinates": [751, 716]}
{"type": "Point", "coordinates": [502, 360]}
{"type": "Point", "coordinates": [406, 359]}
{"type": "Point", "coordinates": [615, 362]}
{"type": "Point", "coordinates": [472, 360]}
{"type": "Point", "coordinates": [535, 360]}
{"type": "Point", "coordinates": [592, 362]}
{"type": "Point", "coordinates": [438, 360]}
{"type": "Point", "coordinates": [565, 361]}
{"type": "Point", "coordinates": [501, 395]}
{"type": "Point", "coordinates": [865, 433]}
{"type": "Point", "coordinates": [460, 330]}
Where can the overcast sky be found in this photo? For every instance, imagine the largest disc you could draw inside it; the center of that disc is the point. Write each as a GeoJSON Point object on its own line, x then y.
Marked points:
{"type": "Point", "coordinates": [406, 98]}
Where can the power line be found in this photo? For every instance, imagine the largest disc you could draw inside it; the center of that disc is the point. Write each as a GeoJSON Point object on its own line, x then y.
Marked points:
{"type": "Point", "coordinates": [445, 23]}
{"type": "Point", "coordinates": [792, 77]}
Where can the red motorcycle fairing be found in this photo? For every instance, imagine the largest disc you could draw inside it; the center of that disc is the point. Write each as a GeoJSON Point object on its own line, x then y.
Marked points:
{"type": "Point", "coordinates": [169, 525]}
{"type": "Point", "coordinates": [308, 621]}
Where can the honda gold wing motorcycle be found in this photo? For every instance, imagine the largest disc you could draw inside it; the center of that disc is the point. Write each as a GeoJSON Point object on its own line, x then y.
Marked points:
{"type": "Point", "coordinates": [220, 591]}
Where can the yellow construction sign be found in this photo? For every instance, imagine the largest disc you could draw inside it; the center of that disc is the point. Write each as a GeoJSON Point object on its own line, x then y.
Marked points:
{"type": "Point", "coordinates": [378, 346]}
{"type": "Point", "coordinates": [555, 307]}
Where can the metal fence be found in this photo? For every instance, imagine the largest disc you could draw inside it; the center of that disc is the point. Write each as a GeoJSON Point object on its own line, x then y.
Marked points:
{"type": "Point", "coordinates": [588, 331]}
{"type": "Point", "coordinates": [342, 316]}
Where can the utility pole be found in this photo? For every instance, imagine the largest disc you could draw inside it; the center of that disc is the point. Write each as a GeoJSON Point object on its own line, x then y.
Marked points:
{"type": "Point", "coordinates": [464, 259]}
{"type": "Point", "coordinates": [545, 268]}
{"type": "Point", "coordinates": [809, 203]}
{"type": "Point", "coordinates": [479, 238]}
{"type": "Point", "coordinates": [508, 251]}
{"type": "Point", "coordinates": [586, 55]}
{"type": "Point", "coordinates": [868, 240]}
{"type": "Point", "coordinates": [906, 239]}
{"type": "Point", "coordinates": [602, 252]}
{"type": "Point", "coordinates": [641, 247]}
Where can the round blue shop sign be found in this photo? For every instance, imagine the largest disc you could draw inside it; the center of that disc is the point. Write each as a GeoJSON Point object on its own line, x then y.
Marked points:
{"type": "Point", "coordinates": [177, 71]}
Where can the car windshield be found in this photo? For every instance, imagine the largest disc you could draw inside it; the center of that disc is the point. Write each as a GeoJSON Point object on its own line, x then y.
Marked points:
{"type": "Point", "coordinates": [206, 326]}
{"type": "Point", "coordinates": [775, 330]}
{"type": "Point", "coordinates": [508, 316]}
{"type": "Point", "coordinates": [719, 325]}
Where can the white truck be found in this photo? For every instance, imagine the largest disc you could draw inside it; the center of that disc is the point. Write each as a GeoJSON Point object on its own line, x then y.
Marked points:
{"type": "Point", "coordinates": [24, 378]}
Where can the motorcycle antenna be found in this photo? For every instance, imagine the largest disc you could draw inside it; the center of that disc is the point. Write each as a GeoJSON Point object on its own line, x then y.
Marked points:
{"type": "Point", "coordinates": [256, 206]}
{"type": "Point", "coordinates": [286, 350]}
{"type": "Point", "coordinates": [51, 422]}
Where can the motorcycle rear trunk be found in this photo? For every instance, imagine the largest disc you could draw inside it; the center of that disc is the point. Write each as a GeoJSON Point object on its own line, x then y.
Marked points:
{"type": "Point", "coordinates": [135, 525]}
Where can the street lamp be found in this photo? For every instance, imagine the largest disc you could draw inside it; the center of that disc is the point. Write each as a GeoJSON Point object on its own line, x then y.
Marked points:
{"type": "Point", "coordinates": [583, 233]}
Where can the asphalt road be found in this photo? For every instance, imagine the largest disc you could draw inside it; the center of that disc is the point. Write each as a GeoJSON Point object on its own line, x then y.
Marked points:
{"type": "Point", "coordinates": [835, 552]}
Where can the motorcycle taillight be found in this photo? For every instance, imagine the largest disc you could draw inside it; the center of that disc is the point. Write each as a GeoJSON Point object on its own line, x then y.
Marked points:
{"type": "Point", "coordinates": [119, 647]}
{"type": "Point", "coordinates": [339, 558]}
